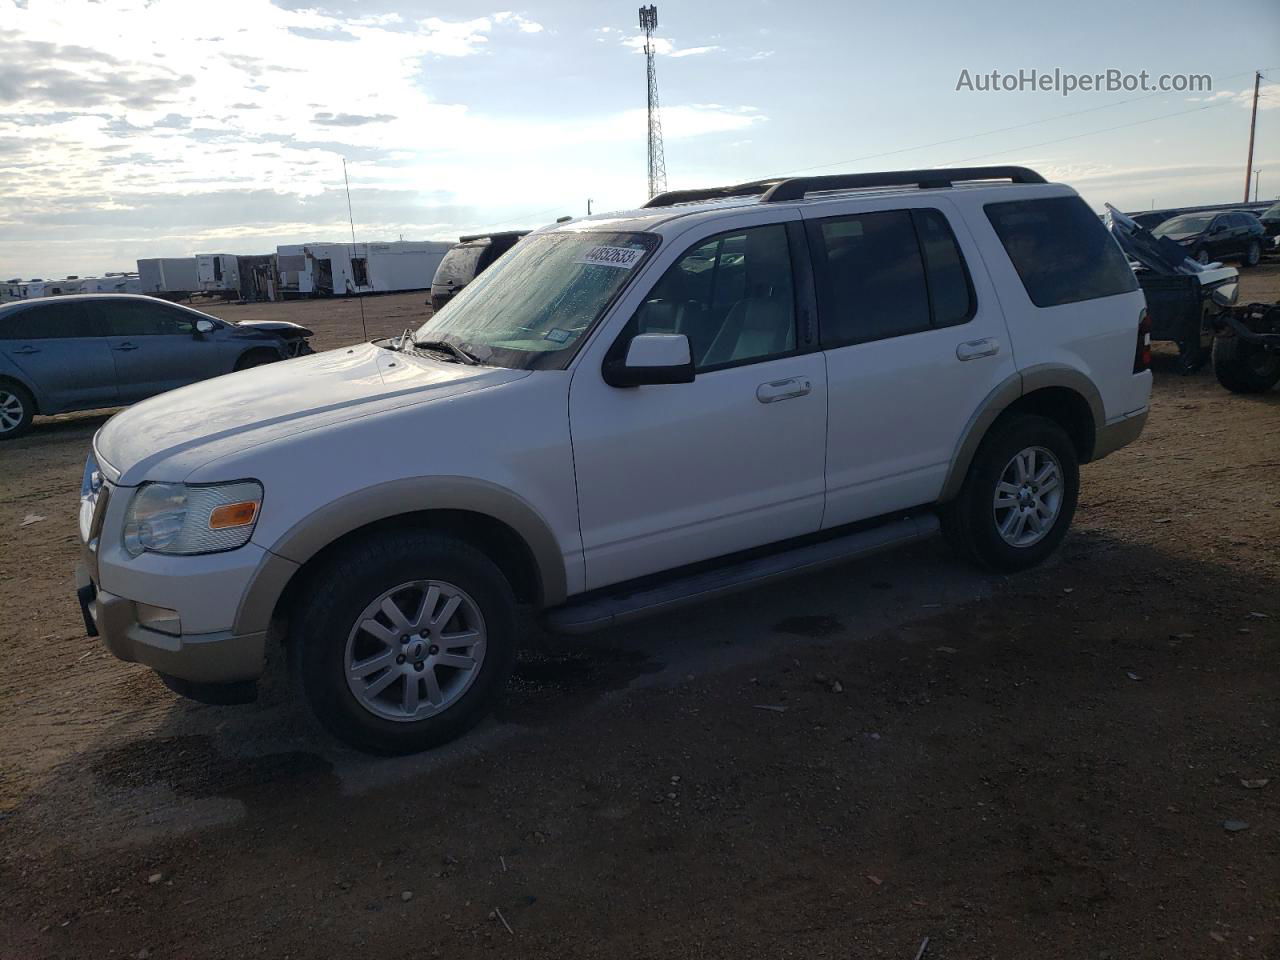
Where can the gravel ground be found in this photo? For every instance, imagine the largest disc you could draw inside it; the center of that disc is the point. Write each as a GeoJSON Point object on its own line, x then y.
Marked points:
{"type": "Point", "coordinates": [1035, 766]}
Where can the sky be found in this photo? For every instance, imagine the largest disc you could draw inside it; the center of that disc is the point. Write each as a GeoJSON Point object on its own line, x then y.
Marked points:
{"type": "Point", "coordinates": [141, 128]}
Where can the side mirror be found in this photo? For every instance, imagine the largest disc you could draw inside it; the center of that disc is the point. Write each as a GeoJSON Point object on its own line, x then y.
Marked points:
{"type": "Point", "coordinates": [652, 358]}
{"type": "Point", "coordinates": [204, 326]}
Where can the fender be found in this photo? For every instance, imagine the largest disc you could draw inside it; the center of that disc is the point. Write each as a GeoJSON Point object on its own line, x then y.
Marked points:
{"type": "Point", "coordinates": [1014, 387]}
{"type": "Point", "coordinates": [394, 498]}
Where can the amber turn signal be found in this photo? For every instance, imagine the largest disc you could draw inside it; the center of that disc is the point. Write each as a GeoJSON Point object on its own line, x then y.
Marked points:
{"type": "Point", "coordinates": [233, 515]}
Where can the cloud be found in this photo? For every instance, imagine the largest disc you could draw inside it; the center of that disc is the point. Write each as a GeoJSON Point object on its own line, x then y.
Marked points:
{"type": "Point", "coordinates": [322, 33]}
{"type": "Point", "coordinates": [327, 119]}
{"type": "Point", "coordinates": [666, 48]}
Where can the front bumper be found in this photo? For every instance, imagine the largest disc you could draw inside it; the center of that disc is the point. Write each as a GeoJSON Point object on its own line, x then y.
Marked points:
{"type": "Point", "coordinates": [213, 658]}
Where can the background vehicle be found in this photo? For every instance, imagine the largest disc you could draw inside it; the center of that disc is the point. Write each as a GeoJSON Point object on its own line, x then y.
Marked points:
{"type": "Point", "coordinates": [1232, 235]}
{"type": "Point", "coordinates": [1246, 347]}
{"type": "Point", "coordinates": [59, 354]}
{"type": "Point", "coordinates": [466, 260]}
{"type": "Point", "coordinates": [1270, 219]}
{"type": "Point", "coordinates": [626, 414]}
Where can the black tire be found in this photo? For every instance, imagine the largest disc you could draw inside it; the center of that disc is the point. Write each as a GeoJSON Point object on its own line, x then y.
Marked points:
{"type": "Point", "coordinates": [969, 522]}
{"type": "Point", "coordinates": [1201, 256]}
{"type": "Point", "coordinates": [15, 401]}
{"type": "Point", "coordinates": [1244, 367]}
{"type": "Point", "coordinates": [1252, 254]}
{"type": "Point", "coordinates": [334, 599]}
{"type": "Point", "coordinates": [257, 358]}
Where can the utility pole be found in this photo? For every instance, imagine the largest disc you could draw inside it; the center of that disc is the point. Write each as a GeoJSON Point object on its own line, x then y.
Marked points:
{"type": "Point", "coordinates": [657, 163]}
{"type": "Point", "coordinates": [1257, 175]}
{"type": "Point", "coordinates": [588, 206]}
{"type": "Point", "coordinates": [1253, 124]}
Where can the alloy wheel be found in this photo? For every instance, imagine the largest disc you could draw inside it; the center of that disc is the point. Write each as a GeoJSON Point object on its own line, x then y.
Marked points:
{"type": "Point", "coordinates": [11, 411]}
{"type": "Point", "coordinates": [415, 650]}
{"type": "Point", "coordinates": [1028, 497]}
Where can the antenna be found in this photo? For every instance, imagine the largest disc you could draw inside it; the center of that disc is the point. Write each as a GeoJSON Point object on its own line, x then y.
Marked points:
{"type": "Point", "coordinates": [657, 162]}
{"type": "Point", "coordinates": [364, 328]}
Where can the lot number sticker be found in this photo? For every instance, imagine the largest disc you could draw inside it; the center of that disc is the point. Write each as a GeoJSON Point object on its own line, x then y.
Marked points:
{"type": "Point", "coordinates": [624, 257]}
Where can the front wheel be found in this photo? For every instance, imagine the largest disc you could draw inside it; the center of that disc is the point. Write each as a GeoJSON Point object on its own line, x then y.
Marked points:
{"type": "Point", "coordinates": [1253, 254]}
{"type": "Point", "coordinates": [404, 641]}
{"type": "Point", "coordinates": [1202, 256]}
{"type": "Point", "coordinates": [1019, 496]}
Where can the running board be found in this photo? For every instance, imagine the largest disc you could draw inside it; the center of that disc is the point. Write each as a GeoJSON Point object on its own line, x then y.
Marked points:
{"type": "Point", "coordinates": [611, 609]}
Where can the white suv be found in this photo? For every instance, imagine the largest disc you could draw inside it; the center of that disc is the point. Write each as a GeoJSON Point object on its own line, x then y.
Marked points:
{"type": "Point", "coordinates": [625, 413]}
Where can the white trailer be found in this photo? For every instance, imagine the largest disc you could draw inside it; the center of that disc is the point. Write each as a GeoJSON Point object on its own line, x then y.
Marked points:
{"type": "Point", "coordinates": [112, 283]}
{"type": "Point", "coordinates": [406, 265]}
{"type": "Point", "coordinates": [344, 269]}
{"type": "Point", "coordinates": [170, 277]}
{"type": "Point", "coordinates": [218, 273]}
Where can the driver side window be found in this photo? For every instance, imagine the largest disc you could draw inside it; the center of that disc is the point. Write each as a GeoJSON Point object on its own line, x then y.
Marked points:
{"type": "Point", "coordinates": [731, 295]}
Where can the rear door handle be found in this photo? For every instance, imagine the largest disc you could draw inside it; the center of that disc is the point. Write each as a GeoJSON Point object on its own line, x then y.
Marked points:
{"type": "Point", "coordinates": [776, 390]}
{"type": "Point", "coordinates": [973, 349]}
{"type": "Point", "coordinates": [126, 347]}
{"type": "Point", "coordinates": [26, 351]}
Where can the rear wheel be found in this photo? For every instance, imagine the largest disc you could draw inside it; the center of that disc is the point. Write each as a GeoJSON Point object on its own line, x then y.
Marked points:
{"type": "Point", "coordinates": [1244, 367]}
{"type": "Point", "coordinates": [404, 642]}
{"type": "Point", "coordinates": [1202, 256]}
{"type": "Point", "coordinates": [17, 407]}
{"type": "Point", "coordinates": [1019, 495]}
{"type": "Point", "coordinates": [1253, 254]}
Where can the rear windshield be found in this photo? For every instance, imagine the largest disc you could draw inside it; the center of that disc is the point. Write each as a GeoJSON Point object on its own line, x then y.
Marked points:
{"type": "Point", "coordinates": [459, 264]}
{"type": "Point", "coordinates": [1061, 250]}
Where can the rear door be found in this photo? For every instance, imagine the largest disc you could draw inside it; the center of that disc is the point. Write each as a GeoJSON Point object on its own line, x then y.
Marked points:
{"type": "Point", "coordinates": [155, 348]}
{"type": "Point", "coordinates": [915, 341]}
{"type": "Point", "coordinates": [60, 349]}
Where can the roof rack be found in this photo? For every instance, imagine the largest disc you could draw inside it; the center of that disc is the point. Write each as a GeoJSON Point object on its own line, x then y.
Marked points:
{"type": "Point", "coordinates": [491, 235]}
{"type": "Point", "coordinates": [752, 189]}
{"type": "Point", "coordinates": [781, 190]}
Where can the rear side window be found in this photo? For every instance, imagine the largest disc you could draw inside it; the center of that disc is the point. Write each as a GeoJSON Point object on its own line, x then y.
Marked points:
{"type": "Point", "coordinates": [1061, 250]}
{"type": "Point", "coordinates": [888, 274]}
{"type": "Point", "coordinates": [54, 321]}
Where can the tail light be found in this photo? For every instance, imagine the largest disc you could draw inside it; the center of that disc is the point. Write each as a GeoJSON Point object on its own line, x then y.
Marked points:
{"type": "Point", "coordinates": [1142, 356]}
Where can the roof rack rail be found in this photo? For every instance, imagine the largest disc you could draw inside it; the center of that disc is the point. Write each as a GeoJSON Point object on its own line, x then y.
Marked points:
{"type": "Point", "coordinates": [493, 233]}
{"type": "Point", "coordinates": [751, 189]}
{"type": "Point", "coordinates": [783, 189]}
{"type": "Point", "coordinates": [795, 188]}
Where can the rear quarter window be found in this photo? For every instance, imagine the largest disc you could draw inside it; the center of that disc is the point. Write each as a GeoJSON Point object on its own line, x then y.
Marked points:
{"type": "Point", "coordinates": [1061, 250]}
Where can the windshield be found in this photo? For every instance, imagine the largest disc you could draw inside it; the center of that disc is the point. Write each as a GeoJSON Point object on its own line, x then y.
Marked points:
{"type": "Point", "coordinates": [529, 310]}
{"type": "Point", "coordinates": [1191, 223]}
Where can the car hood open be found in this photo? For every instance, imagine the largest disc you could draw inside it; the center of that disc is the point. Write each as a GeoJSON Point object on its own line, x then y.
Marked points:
{"type": "Point", "coordinates": [170, 435]}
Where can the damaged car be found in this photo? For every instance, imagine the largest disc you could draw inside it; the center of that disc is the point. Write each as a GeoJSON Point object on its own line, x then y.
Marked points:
{"type": "Point", "coordinates": [61, 354]}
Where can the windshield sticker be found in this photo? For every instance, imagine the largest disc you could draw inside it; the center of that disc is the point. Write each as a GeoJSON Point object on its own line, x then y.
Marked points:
{"type": "Point", "coordinates": [556, 335]}
{"type": "Point", "coordinates": [603, 256]}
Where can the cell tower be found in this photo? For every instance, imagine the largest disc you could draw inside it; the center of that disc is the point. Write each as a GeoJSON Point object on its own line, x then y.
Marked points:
{"type": "Point", "coordinates": [657, 163]}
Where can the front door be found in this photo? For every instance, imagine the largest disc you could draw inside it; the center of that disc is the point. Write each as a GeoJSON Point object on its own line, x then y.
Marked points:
{"type": "Point", "coordinates": [154, 347]}
{"type": "Point", "coordinates": [914, 341]}
{"type": "Point", "coordinates": [671, 474]}
{"type": "Point", "coordinates": [59, 349]}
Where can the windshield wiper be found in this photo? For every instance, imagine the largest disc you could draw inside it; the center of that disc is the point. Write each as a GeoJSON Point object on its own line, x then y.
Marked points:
{"type": "Point", "coordinates": [451, 348]}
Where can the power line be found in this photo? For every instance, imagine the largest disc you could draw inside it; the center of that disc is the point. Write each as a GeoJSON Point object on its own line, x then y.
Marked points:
{"type": "Point", "coordinates": [1016, 126]}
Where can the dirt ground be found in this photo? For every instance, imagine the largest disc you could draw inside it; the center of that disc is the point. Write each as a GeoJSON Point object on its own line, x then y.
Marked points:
{"type": "Point", "coordinates": [1035, 766]}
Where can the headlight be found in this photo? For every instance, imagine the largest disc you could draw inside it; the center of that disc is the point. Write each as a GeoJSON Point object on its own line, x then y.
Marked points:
{"type": "Point", "coordinates": [180, 519]}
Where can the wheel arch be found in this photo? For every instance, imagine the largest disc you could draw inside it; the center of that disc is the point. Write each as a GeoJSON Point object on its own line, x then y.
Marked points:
{"type": "Point", "coordinates": [1060, 393]}
{"type": "Point", "coordinates": [263, 348]}
{"type": "Point", "coordinates": [483, 514]}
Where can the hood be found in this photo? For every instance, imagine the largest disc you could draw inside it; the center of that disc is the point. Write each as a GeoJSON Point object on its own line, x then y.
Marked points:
{"type": "Point", "coordinates": [1163, 254]}
{"type": "Point", "coordinates": [170, 435]}
{"type": "Point", "coordinates": [284, 327]}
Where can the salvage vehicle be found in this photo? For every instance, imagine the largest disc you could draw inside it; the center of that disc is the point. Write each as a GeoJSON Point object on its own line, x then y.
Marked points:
{"type": "Point", "coordinates": [1246, 347]}
{"type": "Point", "coordinates": [1207, 236]}
{"type": "Point", "coordinates": [626, 413]}
{"type": "Point", "coordinates": [1183, 295]}
{"type": "Point", "coordinates": [466, 260]}
{"type": "Point", "coordinates": [83, 352]}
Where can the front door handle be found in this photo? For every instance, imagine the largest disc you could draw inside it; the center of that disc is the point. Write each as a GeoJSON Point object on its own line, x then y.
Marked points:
{"type": "Point", "coordinates": [777, 390]}
{"type": "Point", "coordinates": [126, 347]}
{"type": "Point", "coordinates": [973, 349]}
{"type": "Point", "coordinates": [26, 351]}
